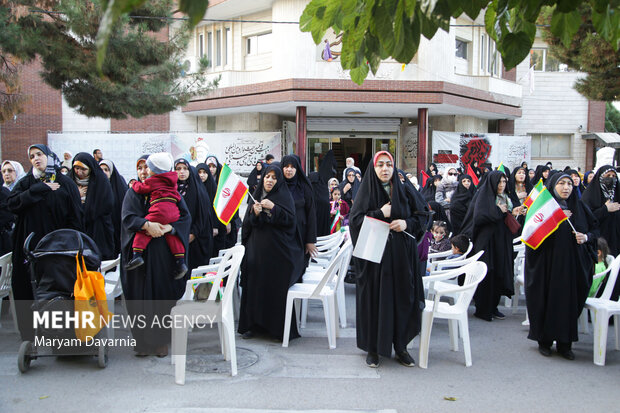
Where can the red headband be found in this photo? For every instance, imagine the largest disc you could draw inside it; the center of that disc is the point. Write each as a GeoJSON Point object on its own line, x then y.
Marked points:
{"type": "Point", "coordinates": [389, 155]}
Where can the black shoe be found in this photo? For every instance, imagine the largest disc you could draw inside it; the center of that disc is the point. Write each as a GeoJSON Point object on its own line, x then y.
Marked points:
{"type": "Point", "coordinates": [567, 354]}
{"type": "Point", "coordinates": [498, 315]}
{"type": "Point", "coordinates": [180, 270]}
{"type": "Point", "coordinates": [135, 262]}
{"type": "Point", "coordinates": [405, 358]}
{"type": "Point", "coordinates": [483, 317]}
{"type": "Point", "coordinates": [544, 350]}
{"type": "Point", "coordinates": [247, 335]}
{"type": "Point", "coordinates": [372, 360]}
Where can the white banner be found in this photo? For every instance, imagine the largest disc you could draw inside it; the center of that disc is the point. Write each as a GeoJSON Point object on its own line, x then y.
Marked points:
{"type": "Point", "coordinates": [456, 149]}
{"type": "Point", "coordinates": [240, 150]}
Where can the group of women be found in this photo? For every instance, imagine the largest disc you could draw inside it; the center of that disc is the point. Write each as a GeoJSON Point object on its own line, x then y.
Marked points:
{"type": "Point", "coordinates": [558, 274]}
{"type": "Point", "coordinates": [289, 210]}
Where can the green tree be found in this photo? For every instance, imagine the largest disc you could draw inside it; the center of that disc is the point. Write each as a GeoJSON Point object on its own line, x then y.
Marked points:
{"type": "Point", "coordinates": [143, 72]}
{"type": "Point", "coordinates": [612, 118]}
{"type": "Point", "coordinates": [373, 30]}
{"type": "Point", "coordinates": [587, 52]}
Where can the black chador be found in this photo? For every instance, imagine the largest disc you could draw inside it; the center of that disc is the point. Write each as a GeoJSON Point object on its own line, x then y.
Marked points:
{"type": "Point", "coordinates": [319, 181]}
{"type": "Point", "coordinates": [98, 206]}
{"type": "Point", "coordinates": [41, 210]}
{"type": "Point", "coordinates": [271, 264]}
{"type": "Point", "coordinates": [119, 188]}
{"type": "Point", "coordinates": [305, 213]}
{"type": "Point", "coordinates": [484, 225]}
{"type": "Point", "coordinates": [389, 295]}
{"type": "Point", "coordinates": [558, 274]}
{"type": "Point", "coordinates": [460, 203]}
{"type": "Point", "coordinates": [200, 206]}
{"type": "Point", "coordinates": [151, 290]}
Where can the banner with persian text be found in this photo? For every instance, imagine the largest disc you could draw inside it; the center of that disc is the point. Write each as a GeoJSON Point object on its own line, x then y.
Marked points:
{"type": "Point", "coordinates": [240, 150]}
{"type": "Point", "coordinates": [456, 149]}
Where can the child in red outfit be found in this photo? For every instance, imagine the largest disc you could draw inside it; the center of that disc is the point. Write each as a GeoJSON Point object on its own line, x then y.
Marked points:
{"type": "Point", "coordinates": [161, 185]}
{"type": "Point", "coordinates": [338, 204]}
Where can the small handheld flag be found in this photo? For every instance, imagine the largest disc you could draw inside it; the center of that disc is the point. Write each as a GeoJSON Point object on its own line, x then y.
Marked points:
{"type": "Point", "coordinates": [473, 175]}
{"type": "Point", "coordinates": [230, 193]}
{"type": "Point", "coordinates": [501, 167]}
{"type": "Point", "coordinates": [542, 219]}
{"type": "Point", "coordinates": [425, 177]}
{"type": "Point", "coordinates": [531, 197]}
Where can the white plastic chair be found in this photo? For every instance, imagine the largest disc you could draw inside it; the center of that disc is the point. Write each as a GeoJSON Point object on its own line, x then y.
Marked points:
{"type": "Point", "coordinates": [324, 291]}
{"type": "Point", "coordinates": [111, 271]}
{"type": "Point", "coordinates": [224, 317]}
{"type": "Point", "coordinates": [519, 279]}
{"type": "Point", "coordinates": [603, 308]}
{"type": "Point", "coordinates": [6, 263]}
{"type": "Point", "coordinates": [455, 313]}
{"type": "Point", "coordinates": [326, 238]}
{"type": "Point", "coordinates": [326, 252]}
{"type": "Point", "coordinates": [435, 256]}
{"type": "Point", "coordinates": [312, 276]}
{"type": "Point", "coordinates": [583, 318]}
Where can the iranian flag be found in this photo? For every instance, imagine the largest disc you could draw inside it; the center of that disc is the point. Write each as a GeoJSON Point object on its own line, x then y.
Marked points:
{"type": "Point", "coordinates": [230, 193]}
{"type": "Point", "coordinates": [501, 167]}
{"type": "Point", "coordinates": [533, 194]}
{"type": "Point", "coordinates": [542, 219]}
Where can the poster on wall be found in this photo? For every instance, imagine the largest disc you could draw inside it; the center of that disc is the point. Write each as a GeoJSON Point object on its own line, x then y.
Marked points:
{"type": "Point", "coordinates": [457, 150]}
{"type": "Point", "coordinates": [240, 150]}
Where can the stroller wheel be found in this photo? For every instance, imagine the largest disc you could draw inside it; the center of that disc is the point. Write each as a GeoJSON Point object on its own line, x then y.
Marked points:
{"type": "Point", "coordinates": [102, 357]}
{"type": "Point", "coordinates": [24, 356]}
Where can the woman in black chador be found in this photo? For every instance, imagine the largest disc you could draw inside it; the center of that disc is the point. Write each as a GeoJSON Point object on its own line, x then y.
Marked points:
{"type": "Point", "coordinates": [320, 188]}
{"type": "Point", "coordinates": [558, 273]}
{"type": "Point", "coordinates": [43, 201]}
{"type": "Point", "coordinates": [305, 212]}
{"type": "Point", "coordinates": [484, 225]}
{"type": "Point", "coordinates": [542, 172]}
{"type": "Point", "coordinates": [227, 234]}
{"type": "Point", "coordinates": [199, 204]}
{"type": "Point", "coordinates": [389, 295]}
{"type": "Point", "coordinates": [119, 188]}
{"type": "Point", "coordinates": [151, 290]}
{"type": "Point", "coordinates": [272, 260]}
{"type": "Point", "coordinates": [461, 199]}
{"type": "Point", "coordinates": [97, 202]}
{"type": "Point", "coordinates": [254, 177]}
{"type": "Point", "coordinates": [349, 187]}
{"type": "Point", "coordinates": [603, 198]}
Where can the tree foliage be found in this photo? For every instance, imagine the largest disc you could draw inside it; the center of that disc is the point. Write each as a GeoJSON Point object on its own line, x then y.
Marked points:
{"type": "Point", "coordinates": [612, 118]}
{"type": "Point", "coordinates": [373, 30]}
{"type": "Point", "coordinates": [143, 71]}
{"type": "Point", "coordinates": [587, 52]}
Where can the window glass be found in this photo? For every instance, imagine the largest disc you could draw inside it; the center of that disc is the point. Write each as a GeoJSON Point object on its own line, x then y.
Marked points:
{"type": "Point", "coordinates": [546, 145]}
{"type": "Point", "coordinates": [537, 59]}
{"type": "Point", "coordinates": [210, 49]}
{"type": "Point", "coordinates": [483, 52]}
{"type": "Point", "coordinates": [201, 50]}
{"type": "Point", "coordinates": [461, 49]}
{"type": "Point", "coordinates": [227, 44]}
{"type": "Point", "coordinates": [263, 43]}
{"type": "Point", "coordinates": [218, 48]}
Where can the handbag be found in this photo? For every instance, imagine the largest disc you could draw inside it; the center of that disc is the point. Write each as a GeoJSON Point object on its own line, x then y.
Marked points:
{"type": "Point", "coordinates": [512, 224]}
{"type": "Point", "coordinates": [90, 297]}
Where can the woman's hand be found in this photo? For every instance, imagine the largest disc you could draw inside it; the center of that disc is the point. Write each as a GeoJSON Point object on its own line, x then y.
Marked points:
{"type": "Point", "coordinates": [54, 186]}
{"type": "Point", "coordinates": [153, 229]}
{"type": "Point", "coordinates": [267, 204]}
{"type": "Point", "coordinates": [165, 228]}
{"type": "Point", "coordinates": [257, 208]}
{"type": "Point", "coordinates": [192, 237]}
{"type": "Point", "coordinates": [398, 225]}
{"type": "Point", "coordinates": [228, 228]}
{"type": "Point", "coordinates": [581, 238]}
{"type": "Point", "coordinates": [312, 250]}
{"type": "Point", "coordinates": [346, 188]}
{"type": "Point", "coordinates": [387, 210]}
{"type": "Point", "coordinates": [215, 232]}
{"type": "Point", "coordinates": [83, 190]}
{"type": "Point", "coordinates": [612, 206]}
{"type": "Point", "coordinates": [568, 213]}
{"type": "Point", "coordinates": [503, 207]}
{"type": "Point", "coordinates": [518, 211]}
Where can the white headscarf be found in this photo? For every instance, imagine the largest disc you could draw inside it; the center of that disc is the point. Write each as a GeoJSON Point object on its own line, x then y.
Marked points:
{"type": "Point", "coordinates": [19, 170]}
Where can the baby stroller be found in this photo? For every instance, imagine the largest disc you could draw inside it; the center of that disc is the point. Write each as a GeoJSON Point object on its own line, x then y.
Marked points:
{"type": "Point", "coordinates": [53, 274]}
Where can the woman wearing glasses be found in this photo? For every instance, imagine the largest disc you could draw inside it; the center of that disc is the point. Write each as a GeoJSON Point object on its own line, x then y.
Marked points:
{"type": "Point", "coordinates": [390, 295]}
{"type": "Point", "coordinates": [446, 189]}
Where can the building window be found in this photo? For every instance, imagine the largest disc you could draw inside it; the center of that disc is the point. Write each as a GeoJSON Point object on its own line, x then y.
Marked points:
{"type": "Point", "coordinates": [483, 53]}
{"type": "Point", "coordinates": [210, 49]}
{"type": "Point", "coordinates": [227, 44]}
{"type": "Point", "coordinates": [549, 145]}
{"type": "Point", "coordinates": [258, 44]}
{"type": "Point", "coordinates": [218, 48]}
{"type": "Point", "coordinates": [542, 61]}
{"type": "Point", "coordinates": [201, 46]}
{"type": "Point", "coordinates": [461, 49]}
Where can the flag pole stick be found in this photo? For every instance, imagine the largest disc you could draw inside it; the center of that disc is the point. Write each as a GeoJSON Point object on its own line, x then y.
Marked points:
{"type": "Point", "coordinates": [571, 225]}
{"type": "Point", "coordinates": [252, 197]}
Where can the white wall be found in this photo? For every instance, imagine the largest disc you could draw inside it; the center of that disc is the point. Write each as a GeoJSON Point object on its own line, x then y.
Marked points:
{"type": "Point", "coordinates": [74, 122]}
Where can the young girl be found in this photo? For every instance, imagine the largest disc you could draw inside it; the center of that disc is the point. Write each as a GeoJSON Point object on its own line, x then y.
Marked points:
{"type": "Point", "coordinates": [601, 265]}
{"type": "Point", "coordinates": [440, 241]}
{"type": "Point", "coordinates": [338, 204]}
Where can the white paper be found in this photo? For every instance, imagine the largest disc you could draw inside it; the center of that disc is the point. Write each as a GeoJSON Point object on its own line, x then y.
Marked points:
{"type": "Point", "coordinates": [371, 240]}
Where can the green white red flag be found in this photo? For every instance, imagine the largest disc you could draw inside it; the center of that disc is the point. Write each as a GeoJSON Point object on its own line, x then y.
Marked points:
{"type": "Point", "coordinates": [230, 193]}
{"type": "Point", "coordinates": [542, 219]}
{"type": "Point", "coordinates": [533, 194]}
